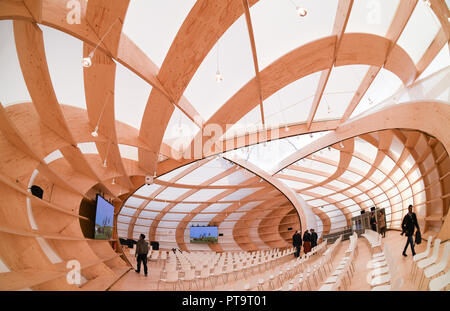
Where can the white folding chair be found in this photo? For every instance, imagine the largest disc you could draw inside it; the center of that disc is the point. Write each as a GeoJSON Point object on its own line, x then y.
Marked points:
{"type": "Point", "coordinates": [396, 285]}
{"type": "Point", "coordinates": [422, 255]}
{"type": "Point", "coordinates": [171, 277]}
{"type": "Point", "coordinates": [430, 260]}
{"type": "Point", "coordinates": [438, 268]}
{"type": "Point", "coordinates": [440, 282]}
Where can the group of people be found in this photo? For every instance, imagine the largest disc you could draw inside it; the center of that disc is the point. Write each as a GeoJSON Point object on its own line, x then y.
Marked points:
{"type": "Point", "coordinates": [409, 224]}
{"type": "Point", "coordinates": [381, 223]}
{"type": "Point", "coordinates": [309, 241]}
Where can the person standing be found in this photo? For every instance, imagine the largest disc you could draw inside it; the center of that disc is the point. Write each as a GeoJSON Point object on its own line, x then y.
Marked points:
{"type": "Point", "coordinates": [313, 238]}
{"type": "Point", "coordinates": [373, 222]}
{"type": "Point", "coordinates": [297, 243]}
{"type": "Point", "coordinates": [306, 242]}
{"type": "Point", "coordinates": [141, 254]}
{"type": "Point", "coordinates": [382, 223]}
{"type": "Point", "coordinates": [408, 224]}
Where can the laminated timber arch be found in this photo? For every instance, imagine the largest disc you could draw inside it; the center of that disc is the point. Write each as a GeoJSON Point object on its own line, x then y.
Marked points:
{"type": "Point", "coordinates": [380, 121]}
{"type": "Point", "coordinates": [354, 48]}
{"type": "Point", "coordinates": [30, 132]}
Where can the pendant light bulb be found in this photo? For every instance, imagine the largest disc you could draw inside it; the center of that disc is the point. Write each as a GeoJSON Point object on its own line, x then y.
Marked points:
{"type": "Point", "coordinates": [87, 61]}
{"type": "Point", "coordinates": [95, 132]}
{"type": "Point", "coordinates": [219, 77]}
{"type": "Point", "coordinates": [104, 163]}
{"type": "Point", "coordinates": [301, 12]}
{"type": "Point", "coordinates": [113, 182]}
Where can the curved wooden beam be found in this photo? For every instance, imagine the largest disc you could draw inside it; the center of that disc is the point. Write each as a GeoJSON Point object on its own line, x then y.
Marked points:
{"type": "Point", "coordinates": [286, 191]}
{"type": "Point", "coordinates": [355, 48]}
{"type": "Point", "coordinates": [193, 41]}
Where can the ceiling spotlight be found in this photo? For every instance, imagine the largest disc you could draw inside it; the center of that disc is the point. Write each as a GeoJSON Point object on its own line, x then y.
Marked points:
{"type": "Point", "coordinates": [219, 77]}
{"type": "Point", "coordinates": [95, 132]}
{"type": "Point", "coordinates": [301, 12]}
{"type": "Point", "coordinates": [113, 182]}
{"type": "Point", "coordinates": [87, 61]}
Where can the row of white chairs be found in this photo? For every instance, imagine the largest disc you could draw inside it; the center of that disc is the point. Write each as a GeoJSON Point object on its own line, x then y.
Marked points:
{"type": "Point", "coordinates": [346, 268]}
{"type": "Point", "coordinates": [374, 239]}
{"type": "Point", "coordinates": [216, 267]}
{"type": "Point", "coordinates": [429, 268]}
{"type": "Point", "coordinates": [292, 273]}
{"type": "Point", "coordinates": [298, 271]}
{"type": "Point", "coordinates": [384, 274]}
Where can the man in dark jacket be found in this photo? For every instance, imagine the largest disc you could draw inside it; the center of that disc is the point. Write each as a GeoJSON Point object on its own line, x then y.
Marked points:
{"type": "Point", "coordinates": [313, 238]}
{"type": "Point", "coordinates": [408, 224]}
{"type": "Point", "coordinates": [141, 254]}
{"type": "Point", "coordinates": [297, 243]}
{"type": "Point", "coordinates": [373, 222]}
{"type": "Point", "coordinates": [306, 242]}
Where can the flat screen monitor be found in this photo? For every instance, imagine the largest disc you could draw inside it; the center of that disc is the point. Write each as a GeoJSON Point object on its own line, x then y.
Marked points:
{"type": "Point", "coordinates": [204, 234]}
{"type": "Point", "coordinates": [103, 219]}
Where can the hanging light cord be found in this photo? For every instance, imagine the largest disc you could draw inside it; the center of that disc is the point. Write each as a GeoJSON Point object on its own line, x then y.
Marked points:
{"type": "Point", "coordinates": [101, 40]}
{"type": "Point", "coordinates": [217, 55]}
{"type": "Point", "coordinates": [103, 109]}
{"type": "Point", "coordinates": [107, 149]}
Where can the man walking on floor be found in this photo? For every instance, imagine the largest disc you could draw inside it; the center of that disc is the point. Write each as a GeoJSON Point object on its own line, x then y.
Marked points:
{"type": "Point", "coordinates": [141, 254]}
{"type": "Point", "coordinates": [408, 224]}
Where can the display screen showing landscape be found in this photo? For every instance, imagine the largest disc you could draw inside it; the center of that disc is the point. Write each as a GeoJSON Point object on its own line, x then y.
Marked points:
{"type": "Point", "coordinates": [204, 234]}
{"type": "Point", "coordinates": [104, 219]}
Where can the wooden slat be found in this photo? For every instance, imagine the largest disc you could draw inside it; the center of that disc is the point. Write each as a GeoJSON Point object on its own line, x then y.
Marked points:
{"type": "Point", "coordinates": [434, 48]}
{"type": "Point", "coordinates": [26, 278]}
{"type": "Point", "coordinates": [103, 283]}
{"type": "Point", "coordinates": [401, 18]}
{"type": "Point", "coordinates": [255, 56]}
{"type": "Point", "coordinates": [33, 63]}
{"type": "Point", "coordinates": [342, 15]}
{"type": "Point", "coordinates": [35, 200]}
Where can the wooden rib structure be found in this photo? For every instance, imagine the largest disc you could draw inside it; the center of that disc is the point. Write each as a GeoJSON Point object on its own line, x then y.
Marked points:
{"type": "Point", "coordinates": [402, 148]}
